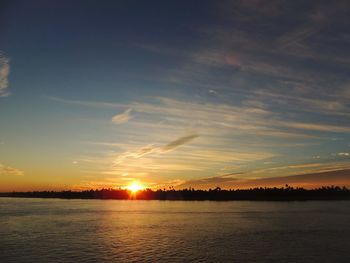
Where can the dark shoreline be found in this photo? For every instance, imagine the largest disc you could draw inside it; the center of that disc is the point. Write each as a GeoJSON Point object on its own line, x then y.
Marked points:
{"type": "Point", "coordinates": [217, 194]}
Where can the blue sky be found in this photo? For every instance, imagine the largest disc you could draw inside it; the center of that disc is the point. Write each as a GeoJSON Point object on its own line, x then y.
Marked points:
{"type": "Point", "coordinates": [173, 93]}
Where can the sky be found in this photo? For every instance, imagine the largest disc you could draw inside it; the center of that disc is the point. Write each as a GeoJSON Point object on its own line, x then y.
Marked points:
{"type": "Point", "coordinates": [235, 94]}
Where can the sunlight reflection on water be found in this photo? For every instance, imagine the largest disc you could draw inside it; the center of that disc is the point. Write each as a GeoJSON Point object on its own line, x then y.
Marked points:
{"type": "Point", "coordinates": [53, 230]}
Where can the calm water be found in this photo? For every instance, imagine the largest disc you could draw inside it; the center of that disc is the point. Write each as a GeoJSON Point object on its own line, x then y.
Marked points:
{"type": "Point", "coordinates": [50, 230]}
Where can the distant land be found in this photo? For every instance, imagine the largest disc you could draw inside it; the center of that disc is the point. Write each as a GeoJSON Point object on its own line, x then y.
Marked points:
{"type": "Point", "coordinates": [286, 193]}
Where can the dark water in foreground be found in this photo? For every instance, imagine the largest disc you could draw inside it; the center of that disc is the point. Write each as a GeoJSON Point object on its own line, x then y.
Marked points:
{"type": "Point", "coordinates": [48, 230]}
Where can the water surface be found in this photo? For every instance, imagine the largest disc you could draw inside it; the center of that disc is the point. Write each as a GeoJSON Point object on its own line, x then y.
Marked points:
{"type": "Point", "coordinates": [55, 230]}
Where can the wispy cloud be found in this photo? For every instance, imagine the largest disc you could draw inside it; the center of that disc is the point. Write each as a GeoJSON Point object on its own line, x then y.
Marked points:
{"type": "Point", "coordinates": [7, 170]}
{"type": "Point", "coordinates": [86, 103]}
{"type": "Point", "coordinates": [154, 149]}
{"type": "Point", "coordinates": [252, 117]}
{"type": "Point", "coordinates": [4, 73]}
{"type": "Point", "coordinates": [183, 140]}
{"type": "Point", "coordinates": [236, 58]}
{"type": "Point", "coordinates": [122, 117]}
{"type": "Point", "coordinates": [247, 118]}
{"type": "Point", "coordinates": [316, 127]}
{"type": "Point", "coordinates": [134, 154]}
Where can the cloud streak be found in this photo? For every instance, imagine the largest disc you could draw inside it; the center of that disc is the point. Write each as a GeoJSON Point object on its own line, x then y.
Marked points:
{"type": "Point", "coordinates": [125, 116]}
{"type": "Point", "coordinates": [153, 149]}
{"type": "Point", "coordinates": [183, 140]}
{"type": "Point", "coordinates": [8, 170]}
{"type": "Point", "coordinates": [4, 73]}
{"type": "Point", "coordinates": [251, 118]}
{"type": "Point", "coordinates": [85, 103]}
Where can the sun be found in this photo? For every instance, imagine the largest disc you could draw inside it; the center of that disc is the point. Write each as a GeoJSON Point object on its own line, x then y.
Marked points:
{"type": "Point", "coordinates": [134, 187]}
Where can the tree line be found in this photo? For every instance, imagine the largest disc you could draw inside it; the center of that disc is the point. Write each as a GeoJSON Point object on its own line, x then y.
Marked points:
{"type": "Point", "coordinates": [286, 193]}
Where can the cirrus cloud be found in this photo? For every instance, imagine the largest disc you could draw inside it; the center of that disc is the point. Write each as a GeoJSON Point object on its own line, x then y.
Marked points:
{"type": "Point", "coordinates": [183, 140]}
{"type": "Point", "coordinates": [153, 149]}
{"type": "Point", "coordinates": [7, 170]}
{"type": "Point", "coordinates": [4, 72]}
{"type": "Point", "coordinates": [122, 117]}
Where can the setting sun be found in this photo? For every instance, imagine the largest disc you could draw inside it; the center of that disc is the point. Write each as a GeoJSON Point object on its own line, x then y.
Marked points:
{"type": "Point", "coordinates": [134, 187]}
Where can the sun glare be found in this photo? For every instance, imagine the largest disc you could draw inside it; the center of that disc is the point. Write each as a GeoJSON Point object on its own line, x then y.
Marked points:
{"type": "Point", "coordinates": [134, 187]}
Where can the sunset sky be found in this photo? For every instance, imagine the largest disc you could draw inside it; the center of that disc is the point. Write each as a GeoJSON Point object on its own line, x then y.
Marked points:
{"type": "Point", "coordinates": [174, 93]}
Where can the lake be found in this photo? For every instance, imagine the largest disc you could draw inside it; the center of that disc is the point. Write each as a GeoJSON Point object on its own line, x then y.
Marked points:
{"type": "Point", "coordinates": [55, 230]}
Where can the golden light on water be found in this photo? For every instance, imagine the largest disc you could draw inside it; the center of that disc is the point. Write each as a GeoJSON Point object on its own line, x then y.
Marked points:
{"type": "Point", "coordinates": [134, 187]}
